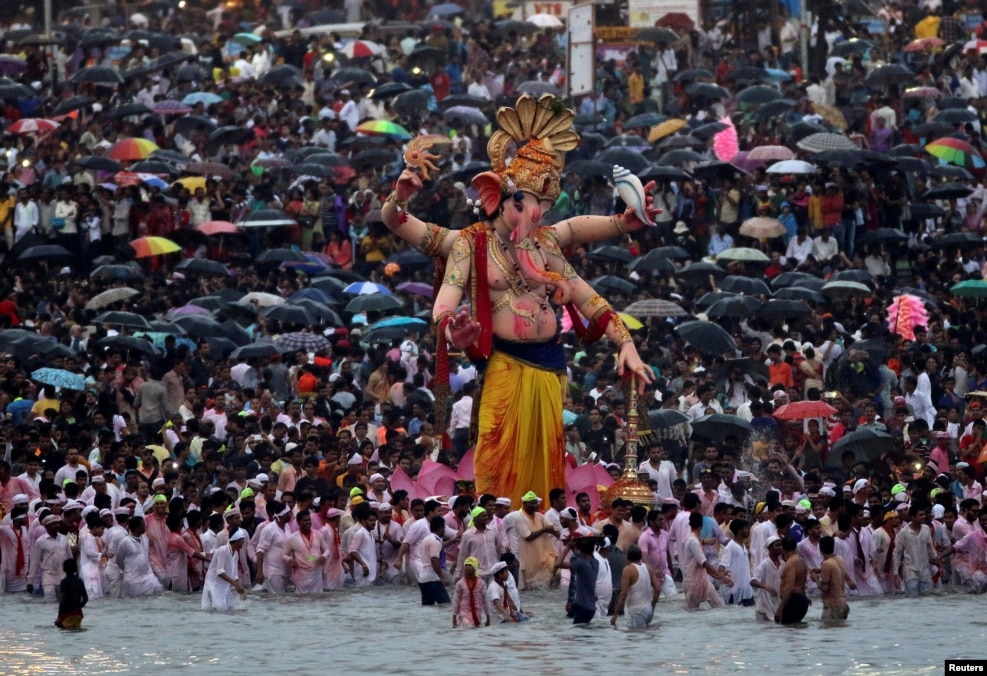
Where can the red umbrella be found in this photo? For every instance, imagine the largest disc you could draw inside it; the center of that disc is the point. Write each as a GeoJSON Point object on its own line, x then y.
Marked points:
{"type": "Point", "coordinates": [801, 410]}
{"type": "Point", "coordinates": [218, 228]}
{"type": "Point", "coordinates": [676, 21]}
{"type": "Point", "coordinates": [32, 125]}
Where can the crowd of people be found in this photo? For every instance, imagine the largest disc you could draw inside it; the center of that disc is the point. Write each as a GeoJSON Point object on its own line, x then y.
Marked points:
{"type": "Point", "coordinates": [173, 466]}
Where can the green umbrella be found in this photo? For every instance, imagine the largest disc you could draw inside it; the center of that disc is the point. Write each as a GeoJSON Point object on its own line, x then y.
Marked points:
{"type": "Point", "coordinates": [971, 288]}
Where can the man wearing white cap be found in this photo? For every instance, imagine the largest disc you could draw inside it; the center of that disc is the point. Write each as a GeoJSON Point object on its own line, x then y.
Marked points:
{"type": "Point", "coordinates": [47, 556]}
{"type": "Point", "coordinates": [378, 488]}
{"type": "Point", "coordinates": [767, 581]}
{"type": "Point", "coordinates": [112, 575]}
{"type": "Point", "coordinates": [271, 569]}
{"type": "Point", "coordinates": [222, 581]}
{"type": "Point", "coordinates": [387, 535]}
{"type": "Point", "coordinates": [133, 558]}
{"type": "Point", "coordinates": [15, 548]}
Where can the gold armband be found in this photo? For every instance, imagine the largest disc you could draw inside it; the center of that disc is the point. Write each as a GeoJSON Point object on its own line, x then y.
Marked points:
{"type": "Point", "coordinates": [568, 272]}
{"type": "Point", "coordinates": [455, 277]}
{"type": "Point", "coordinates": [433, 239]}
{"type": "Point", "coordinates": [596, 307]}
{"type": "Point", "coordinates": [618, 325]}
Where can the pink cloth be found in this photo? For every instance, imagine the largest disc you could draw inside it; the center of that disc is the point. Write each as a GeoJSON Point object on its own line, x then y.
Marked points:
{"type": "Point", "coordinates": [157, 539]}
{"type": "Point", "coordinates": [466, 603]}
{"type": "Point", "coordinates": [177, 556]}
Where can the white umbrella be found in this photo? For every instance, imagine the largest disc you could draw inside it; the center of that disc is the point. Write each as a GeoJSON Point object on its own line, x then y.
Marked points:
{"type": "Point", "coordinates": [111, 296]}
{"type": "Point", "coordinates": [262, 299]}
{"type": "Point", "coordinates": [545, 20]}
{"type": "Point", "coordinates": [791, 167]}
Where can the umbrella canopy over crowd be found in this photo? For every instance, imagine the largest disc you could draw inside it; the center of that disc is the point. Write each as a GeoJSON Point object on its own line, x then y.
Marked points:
{"type": "Point", "coordinates": [205, 212]}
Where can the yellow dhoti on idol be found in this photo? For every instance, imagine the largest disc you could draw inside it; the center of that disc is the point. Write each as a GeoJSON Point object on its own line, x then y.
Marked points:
{"type": "Point", "coordinates": [520, 442]}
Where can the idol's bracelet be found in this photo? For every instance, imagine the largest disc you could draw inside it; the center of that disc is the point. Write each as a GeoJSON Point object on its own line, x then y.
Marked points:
{"type": "Point", "coordinates": [617, 222]}
{"type": "Point", "coordinates": [399, 205]}
{"type": "Point", "coordinates": [622, 333]}
{"type": "Point", "coordinates": [441, 321]}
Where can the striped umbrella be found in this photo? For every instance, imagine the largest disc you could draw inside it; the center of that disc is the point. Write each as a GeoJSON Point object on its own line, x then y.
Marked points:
{"type": "Point", "coordinates": [153, 246]}
{"type": "Point", "coordinates": [131, 149]}
{"type": "Point", "coordinates": [32, 125]}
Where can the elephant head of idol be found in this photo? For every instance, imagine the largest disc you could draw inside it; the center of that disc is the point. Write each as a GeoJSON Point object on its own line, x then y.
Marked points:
{"type": "Point", "coordinates": [520, 189]}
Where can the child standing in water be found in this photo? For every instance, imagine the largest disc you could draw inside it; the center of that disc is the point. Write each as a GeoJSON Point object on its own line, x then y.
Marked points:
{"type": "Point", "coordinates": [72, 597]}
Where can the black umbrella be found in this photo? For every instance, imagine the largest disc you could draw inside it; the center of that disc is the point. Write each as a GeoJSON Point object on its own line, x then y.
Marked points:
{"type": "Point", "coordinates": [201, 326]}
{"type": "Point", "coordinates": [890, 74]}
{"type": "Point", "coordinates": [839, 158]}
{"type": "Point", "coordinates": [468, 171]}
{"type": "Point", "coordinates": [98, 75]}
{"type": "Point", "coordinates": [932, 128]}
{"type": "Point", "coordinates": [612, 283]}
{"type": "Point", "coordinates": [799, 293]}
{"type": "Point", "coordinates": [951, 172]}
{"type": "Point", "coordinates": [790, 279]}
{"type": "Point", "coordinates": [734, 307]}
{"type": "Point", "coordinates": [644, 120]}
{"type": "Point", "coordinates": [946, 191]}
{"type": "Point", "coordinates": [190, 123]}
{"type": "Point", "coordinates": [665, 418]}
{"type": "Point", "coordinates": [172, 156]}
{"type": "Point", "coordinates": [45, 252]}
{"type": "Point", "coordinates": [707, 131]}
{"type": "Point", "coordinates": [651, 264]}
{"type": "Point", "coordinates": [700, 272]}
{"type": "Point", "coordinates": [589, 168]}
{"type": "Point", "coordinates": [921, 210]}
{"type": "Point", "coordinates": [755, 368]}
{"type": "Point", "coordinates": [327, 159]}
{"type": "Point", "coordinates": [707, 337]}
{"type": "Point", "coordinates": [748, 74]}
{"type": "Point", "coordinates": [692, 74]}
{"type": "Point", "coordinates": [411, 102]}
{"type": "Point", "coordinates": [99, 39]}
{"type": "Point", "coordinates": [127, 110]}
{"type": "Point", "coordinates": [627, 141]}
{"type": "Point", "coordinates": [758, 94]}
{"type": "Point", "coordinates": [373, 302]}
{"type": "Point", "coordinates": [219, 346]}
{"type": "Point", "coordinates": [229, 135]}
{"type": "Point", "coordinates": [538, 88]}
{"type": "Point", "coordinates": [784, 309]}
{"type": "Point", "coordinates": [169, 60]}
{"type": "Point", "coordinates": [279, 256]}
{"type": "Point", "coordinates": [282, 76]}
{"type": "Point", "coordinates": [679, 141]}
{"type": "Point", "coordinates": [427, 56]}
{"type": "Point", "coordinates": [745, 285]}
{"type": "Point", "coordinates": [129, 343]}
{"type": "Point", "coordinates": [958, 240]}
{"type": "Point", "coordinates": [372, 158]}
{"type": "Point", "coordinates": [320, 312]}
{"type": "Point", "coordinates": [718, 427]}
{"type": "Point", "coordinates": [866, 445]}
{"type": "Point", "coordinates": [715, 169]}
{"type": "Point", "coordinates": [410, 259]}
{"type": "Point", "coordinates": [849, 47]}
{"type": "Point", "coordinates": [13, 92]}
{"type": "Point", "coordinates": [454, 100]}
{"type": "Point", "coordinates": [906, 150]}
{"type": "Point", "coordinates": [203, 266]}
{"type": "Point", "coordinates": [390, 90]}
{"type": "Point", "coordinates": [74, 103]}
{"type": "Point", "coordinates": [154, 167]}
{"type": "Point", "coordinates": [126, 320]}
{"type": "Point", "coordinates": [191, 73]}
{"type": "Point", "coordinates": [707, 90]}
{"type": "Point", "coordinates": [359, 75]}
{"type": "Point", "coordinates": [709, 299]}
{"type": "Point", "coordinates": [861, 276]}
{"type": "Point", "coordinates": [289, 314]}
{"type": "Point", "coordinates": [313, 169]}
{"type": "Point", "coordinates": [915, 166]}
{"type": "Point", "coordinates": [956, 116]}
{"type": "Point", "coordinates": [658, 35]}
{"type": "Point", "coordinates": [97, 163]}
{"type": "Point", "coordinates": [664, 174]}
{"type": "Point", "coordinates": [625, 157]}
{"type": "Point", "coordinates": [674, 158]}
{"type": "Point", "coordinates": [610, 252]}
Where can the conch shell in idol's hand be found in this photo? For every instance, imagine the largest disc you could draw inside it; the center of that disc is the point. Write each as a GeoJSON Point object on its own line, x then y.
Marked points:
{"type": "Point", "coordinates": [416, 155]}
{"type": "Point", "coordinates": [632, 193]}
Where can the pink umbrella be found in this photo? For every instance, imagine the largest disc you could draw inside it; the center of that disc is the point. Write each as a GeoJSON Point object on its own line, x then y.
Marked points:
{"type": "Point", "coordinates": [744, 162]}
{"type": "Point", "coordinates": [218, 228]}
{"type": "Point", "coordinates": [436, 479]}
{"type": "Point", "coordinates": [586, 479]}
{"type": "Point", "coordinates": [725, 143]}
{"type": "Point", "coordinates": [400, 481]}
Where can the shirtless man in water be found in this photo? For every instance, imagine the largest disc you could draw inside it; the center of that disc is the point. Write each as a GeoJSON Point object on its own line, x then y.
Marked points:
{"type": "Point", "coordinates": [793, 604]}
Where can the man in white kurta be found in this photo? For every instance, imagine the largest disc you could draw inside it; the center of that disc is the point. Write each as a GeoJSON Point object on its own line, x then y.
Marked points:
{"type": "Point", "coordinates": [222, 583]}
{"type": "Point", "coordinates": [272, 571]}
{"type": "Point", "coordinates": [16, 551]}
{"type": "Point", "coordinates": [387, 536]}
{"type": "Point", "coordinates": [133, 559]}
{"type": "Point", "coordinates": [47, 556]}
{"type": "Point", "coordinates": [361, 549]}
{"type": "Point", "coordinates": [112, 575]}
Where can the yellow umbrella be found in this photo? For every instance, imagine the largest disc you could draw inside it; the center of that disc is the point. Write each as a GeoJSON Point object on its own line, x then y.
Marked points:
{"type": "Point", "coordinates": [160, 452]}
{"type": "Point", "coordinates": [191, 182]}
{"type": "Point", "coordinates": [831, 114]}
{"type": "Point", "coordinates": [660, 131]}
{"type": "Point", "coordinates": [631, 323]}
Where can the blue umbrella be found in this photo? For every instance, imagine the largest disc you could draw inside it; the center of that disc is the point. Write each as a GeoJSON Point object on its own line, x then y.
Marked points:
{"type": "Point", "coordinates": [402, 322]}
{"type": "Point", "coordinates": [207, 98]}
{"type": "Point", "coordinates": [363, 288]}
{"type": "Point", "coordinates": [446, 9]}
{"type": "Point", "coordinates": [66, 380]}
{"type": "Point", "coordinates": [777, 75]}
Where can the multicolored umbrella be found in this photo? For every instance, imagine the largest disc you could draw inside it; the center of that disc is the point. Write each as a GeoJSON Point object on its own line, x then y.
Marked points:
{"type": "Point", "coordinates": [131, 149]}
{"type": "Point", "coordinates": [153, 246]}
{"type": "Point", "coordinates": [32, 125]}
{"type": "Point", "coordinates": [956, 151]}
{"type": "Point", "coordinates": [383, 128]}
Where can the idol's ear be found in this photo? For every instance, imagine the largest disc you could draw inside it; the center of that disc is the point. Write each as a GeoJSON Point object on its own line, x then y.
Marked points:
{"type": "Point", "coordinates": [488, 186]}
